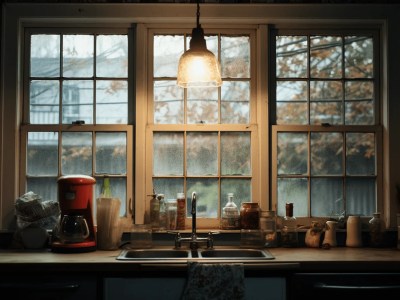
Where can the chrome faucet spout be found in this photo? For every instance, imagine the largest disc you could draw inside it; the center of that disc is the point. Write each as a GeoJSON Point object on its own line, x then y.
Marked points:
{"type": "Point", "coordinates": [194, 241]}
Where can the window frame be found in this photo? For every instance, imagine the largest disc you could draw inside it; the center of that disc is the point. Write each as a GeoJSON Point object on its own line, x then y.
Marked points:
{"type": "Point", "coordinates": [376, 128]}
{"type": "Point", "coordinates": [93, 128]}
{"type": "Point", "coordinates": [145, 154]}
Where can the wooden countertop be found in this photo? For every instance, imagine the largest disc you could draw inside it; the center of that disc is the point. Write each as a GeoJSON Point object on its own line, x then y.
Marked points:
{"type": "Point", "coordinates": [340, 259]}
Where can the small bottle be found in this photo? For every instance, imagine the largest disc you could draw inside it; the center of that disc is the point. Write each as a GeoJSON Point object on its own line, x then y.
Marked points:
{"type": "Point", "coordinates": [181, 211]}
{"type": "Point", "coordinates": [289, 234]}
{"type": "Point", "coordinates": [376, 230]}
{"type": "Point", "coordinates": [154, 211]}
{"type": "Point", "coordinates": [163, 212]}
{"type": "Point", "coordinates": [106, 188]}
{"type": "Point", "coordinates": [268, 226]}
{"type": "Point", "coordinates": [230, 214]}
{"type": "Point", "coordinates": [250, 215]}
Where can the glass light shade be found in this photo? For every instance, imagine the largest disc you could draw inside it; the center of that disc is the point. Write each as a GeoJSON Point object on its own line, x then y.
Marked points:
{"type": "Point", "coordinates": [198, 66]}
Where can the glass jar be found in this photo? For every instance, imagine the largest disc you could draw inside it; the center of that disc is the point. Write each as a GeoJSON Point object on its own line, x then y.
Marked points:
{"type": "Point", "coordinates": [376, 230]}
{"type": "Point", "coordinates": [268, 227]}
{"type": "Point", "coordinates": [250, 215]}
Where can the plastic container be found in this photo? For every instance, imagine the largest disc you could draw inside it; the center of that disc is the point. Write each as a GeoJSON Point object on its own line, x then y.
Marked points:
{"type": "Point", "coordinates": [268, 227]}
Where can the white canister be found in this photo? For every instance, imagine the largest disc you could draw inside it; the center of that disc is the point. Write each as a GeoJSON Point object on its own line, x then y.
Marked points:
{"type": "Point", "coordinates": [353, 238]}
{"type": "Point", "coordinates": [330, 234]}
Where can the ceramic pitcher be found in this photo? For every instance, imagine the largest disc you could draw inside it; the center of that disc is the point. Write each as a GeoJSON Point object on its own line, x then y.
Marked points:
{"type": "Point", "coordinates": [330, 234]}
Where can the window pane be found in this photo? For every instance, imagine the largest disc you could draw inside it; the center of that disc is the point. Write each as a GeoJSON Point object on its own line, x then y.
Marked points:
{"type": "Point", "coordinates": [326, 153]}
{"type": "Point", "coordinates": [44, 102]}
{"type": "Point", "coordinates": [42, 156]}
{"type": "Point", "coordinates": [112, 102]}
{"type": "Point", "coordinates": [235, 56]}
{"type": "Point", "coordinates": [291, 56]}
{"type": "Point", "coordinates": [118, 190]}
{"type": "Point", "coordinates": [111, 153]}
{"type": "Point", "coordinates": [45, 55]}
{"type": "Point", "coordinates": [292, 153]}
{"type": "Point", "coordinates": [202, 153]}
{"type": "Point", "coordinates": [168, 103]}
{"type": "Point", "coordinates": [202, 105]}
{"type": "Point", "coordinates": [326, 106]}
{"type": "Point", "coordinates": [326, 57]}
{"type": "Point", "coordinates": [291, 113]}
{"type": "Point", "coordinates": [112, 56]}
{"type": "Point", "coordinates": [359, 97]}
{"type": "Point", "coordinates": [235, 102]}
{"type": "Point", "coordinates": [168, 186]}
{"type": "Point", "coordinates": [77, 101]}
{"type": "Point", "coordinates": [167, 153]}
{"type": "Point", "coordinates": [76, 153]}
{"type": "Point", "coordinates": [207, 197]}
{"type": "Point", "coordinates": [326, 112]}
{"type": "Point", "coordinates": [327, 197]}
{"type": "Point", "coordinates": [293, 190]}
{"type": "Point", "coordinates": [241, 189]}
{"type": "Point", "coordinates": [360, 153]}
{"type": "Point", "coordinates": [359, 57]}
{"type": "Point", "coordinates": [235, 153]}
{"type": "Point", "coordinates": [291, 91]}
{"type": "Point", "coordinates": [78, 55]}
{"type": "Point", "coordinates": [167, 51]}
{"type": "Point", "coordinates": [360, 196]}
{"type": "Point", "coordinates": [45, 187]}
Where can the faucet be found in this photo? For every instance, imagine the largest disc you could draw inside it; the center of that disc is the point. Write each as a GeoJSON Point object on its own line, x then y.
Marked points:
{"type": "Point", "coordinates": [194, 241]}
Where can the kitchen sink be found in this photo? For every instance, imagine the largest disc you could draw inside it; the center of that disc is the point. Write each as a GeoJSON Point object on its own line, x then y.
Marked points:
{"type": "Point", "coordinates": [156, 254]}
{"type": "Point", "coordinates": [240, 254]}
{"type": "Point", "coordinates": [150, 255]}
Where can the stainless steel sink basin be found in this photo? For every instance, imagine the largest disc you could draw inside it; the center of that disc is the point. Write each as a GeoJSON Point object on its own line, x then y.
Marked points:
{"type": "Point", "coordinates": [156, 254]}
{"type": "Point", "coordinates": [150, 255]}
{"type": "Point", "coordinates": [235, 254]}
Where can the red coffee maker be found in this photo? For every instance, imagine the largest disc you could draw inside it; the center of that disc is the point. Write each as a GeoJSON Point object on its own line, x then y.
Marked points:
{"type": "Point", "coordinates": [75, 233]}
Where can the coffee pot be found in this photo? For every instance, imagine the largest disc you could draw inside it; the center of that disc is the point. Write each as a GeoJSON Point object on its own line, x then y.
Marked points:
{"type": "Point", "coordinates": [73, 229]}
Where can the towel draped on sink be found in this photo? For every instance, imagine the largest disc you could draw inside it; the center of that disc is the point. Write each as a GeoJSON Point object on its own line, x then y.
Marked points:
{"type": "Point", "coordinates": [214, 282]}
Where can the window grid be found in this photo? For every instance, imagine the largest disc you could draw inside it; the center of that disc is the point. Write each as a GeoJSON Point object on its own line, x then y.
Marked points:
{"type": "Point", "coordinates": [310, 128]}
{"type": "Point", "coordinates": [189, 128]}
{"type": "Point", "coordinates": [95, 128]}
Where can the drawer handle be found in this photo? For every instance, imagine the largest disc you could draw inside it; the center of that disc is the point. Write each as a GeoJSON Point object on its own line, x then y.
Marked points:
{"type": "Point", "coordinates": [40, 287]}
{"type": "Point", "coordinates": [355, 287]}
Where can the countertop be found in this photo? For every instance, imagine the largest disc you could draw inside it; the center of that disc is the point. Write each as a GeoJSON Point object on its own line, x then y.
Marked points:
{"type": "Point", "coordinates": [339, 259]}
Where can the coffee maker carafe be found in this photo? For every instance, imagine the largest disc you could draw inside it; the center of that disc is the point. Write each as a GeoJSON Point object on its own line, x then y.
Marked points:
{"type": "Point", "coordinates": [75, 233]}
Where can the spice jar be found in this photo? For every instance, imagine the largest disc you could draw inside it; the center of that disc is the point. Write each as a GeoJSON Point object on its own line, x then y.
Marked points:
{"type": "Point", "coordinates": [250, 215]}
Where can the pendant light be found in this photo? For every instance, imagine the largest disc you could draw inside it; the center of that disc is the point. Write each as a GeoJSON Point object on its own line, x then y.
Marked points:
{"type": "Point", "coordinates": [198, 67]}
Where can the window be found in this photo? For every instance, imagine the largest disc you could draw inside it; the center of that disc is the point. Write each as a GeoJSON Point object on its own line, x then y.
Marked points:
{"type": "Point", "coordinates": [203, 139]}
{"type": "Point", "coordinates": [76, 117]}
{"type": "Point", "coordinates": [327, 136]}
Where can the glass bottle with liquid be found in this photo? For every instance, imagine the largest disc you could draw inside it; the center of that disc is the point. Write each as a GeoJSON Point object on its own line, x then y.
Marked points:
{"type": "Point", "coordinates": [230, 214]}
{"type": "Point", "coordinates": [163, 212]}
{"type": "Point", "coordinates": [376, 230]}
{"type": "Point", "coordinates": [289, 234]}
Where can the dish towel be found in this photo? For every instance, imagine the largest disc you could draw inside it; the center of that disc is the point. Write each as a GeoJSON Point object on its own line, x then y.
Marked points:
{"type": "Point", "coordinates": [214, 282]}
